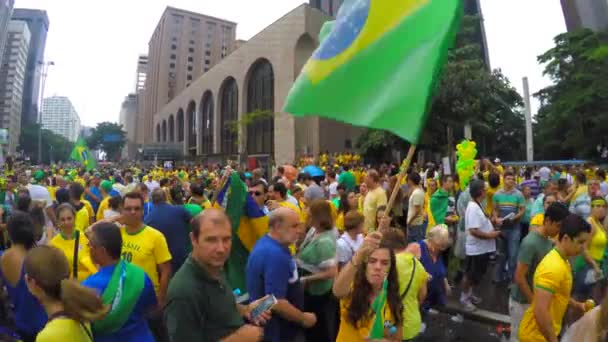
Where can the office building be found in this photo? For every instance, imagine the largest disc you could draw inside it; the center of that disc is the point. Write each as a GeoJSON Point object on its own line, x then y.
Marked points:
{"type": "Point", "coordinates": [255, 77]}
{"type": "Point", "coordinates": [184, 46]}
{"type": "Point", "coordinates": [6, 12]}
{"type": "Point", "coordinates": [591, 14]}
{"type": "Point", "coordinates": [142, 71]}
{"type": "Point", "coordinates": [329, 7]}
{"type": "Point", "coordinates": [38, 23]}
{"type": "Point", "coordinates": [128, 118]}
{"type": "Point", "coordinates": [12, 77]}
{"type": "Point", "coordinates": [60, 117]}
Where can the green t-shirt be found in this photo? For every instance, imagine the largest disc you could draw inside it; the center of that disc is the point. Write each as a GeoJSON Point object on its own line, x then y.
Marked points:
{"type": "Point", "coordinates": [532, 250]}
{"type": "Point", "coordinates": [348, 179]}
{"type": "Point", "coordinates": [319, 252]}
{"type": "Point", "coordinates": [411, 307]}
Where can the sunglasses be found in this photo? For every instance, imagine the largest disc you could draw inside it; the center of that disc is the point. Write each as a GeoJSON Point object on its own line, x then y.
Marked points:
{"type": "Point", "coordinates": [256, 193]}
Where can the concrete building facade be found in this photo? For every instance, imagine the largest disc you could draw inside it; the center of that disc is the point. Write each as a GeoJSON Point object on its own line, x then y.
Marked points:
{"type": "Point", "coordinates": [128, 120]}
{"type": "Point", "coordinates": [184, 46]}
{"type": "Point", "coordinates": [12, 79]}
{"type": "Point", "coordinates": [38, 23]}
{"type": "Point", "coordinates": [256, 77]}
{"type": "Point", "coordinates": [329, 7]}
{"type": "Point", "coordinates": [6, 12]}
{"type": "Point", "coordinates": [60, 117]}
{"type": "Point", "coordinates": [591, 14]}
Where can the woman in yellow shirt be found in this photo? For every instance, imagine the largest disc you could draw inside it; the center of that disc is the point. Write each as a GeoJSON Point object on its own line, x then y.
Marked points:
{"type": "Point", "coordinates": [368, 289]}
{"type": "Point", "coordinates": [68, 238]}
{"type": "Point", "coordinates": [69, 306]}
{"type": "Point", "coordinates": [348, 202]}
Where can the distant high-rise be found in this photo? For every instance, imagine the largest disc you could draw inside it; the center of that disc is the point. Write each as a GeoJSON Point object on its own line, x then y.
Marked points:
{"type": "Point", "coordinates": [6, 11]}
{"type": "Point", "coordinates": [184, 45]}
{"type": "Point", "coordinates": [591, 14]}
{"type": "Point", "coordinates": [128, 120]}
{"type": "Point", "coordinates": [12, 75]}
{"type": "Point", "coordinates": [60, 116]}
{"type": "Point", "coordinates": [142, 71]}
{"type": "Point", "coordinates": [329, 7]}
{"type": "Point", "coordinates": [38, 23]}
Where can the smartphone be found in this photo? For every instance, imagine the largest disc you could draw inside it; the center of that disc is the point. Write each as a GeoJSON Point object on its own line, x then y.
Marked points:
{"type": "Point", "coordinates": [265, 305]}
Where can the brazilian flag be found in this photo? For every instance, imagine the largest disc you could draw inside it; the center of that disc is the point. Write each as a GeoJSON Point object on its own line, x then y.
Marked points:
{"type": "Point", "coordinates": [82, 154]}
{"type": "Point", "coordinates": [377, 64]}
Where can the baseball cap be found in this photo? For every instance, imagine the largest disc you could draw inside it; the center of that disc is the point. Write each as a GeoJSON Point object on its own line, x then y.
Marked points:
{"type": "Point", "coordinates": [106, 185]}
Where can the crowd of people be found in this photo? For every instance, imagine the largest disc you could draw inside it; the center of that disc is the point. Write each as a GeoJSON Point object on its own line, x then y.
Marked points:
{"type": "Point", "coordinates": [128, 253]}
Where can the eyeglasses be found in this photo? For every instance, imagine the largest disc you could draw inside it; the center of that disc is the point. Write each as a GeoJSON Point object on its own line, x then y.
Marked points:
{"type": "Point", "coordinates": [256, 193]}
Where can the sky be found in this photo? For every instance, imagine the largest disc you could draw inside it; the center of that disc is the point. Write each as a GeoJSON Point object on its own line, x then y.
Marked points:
{"type": "Point", "coordinates": [95, 44]}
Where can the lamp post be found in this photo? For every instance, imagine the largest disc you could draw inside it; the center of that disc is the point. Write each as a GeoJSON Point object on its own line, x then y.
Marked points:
{"type": "Point", "coordinates": [44, 73]}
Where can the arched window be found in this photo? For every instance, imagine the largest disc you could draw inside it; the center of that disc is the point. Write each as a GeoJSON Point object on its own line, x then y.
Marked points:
{"type": "Point", "coordinates": [229, 114]}
{"type": "Point", "coordinates": [180, 125]}
{"type": "Point", "coordinates": [207, 122]}
{"type": "Point", "coordinates": [157, 132]}
{"type": "Point", "coordinates": [260, 97]}
{"type": "Point", "coordinates": [191, 125]}
{"type": "Point", "coordinates": [171, 128]}
{"type": "Point", "coordinates": [164, 130]}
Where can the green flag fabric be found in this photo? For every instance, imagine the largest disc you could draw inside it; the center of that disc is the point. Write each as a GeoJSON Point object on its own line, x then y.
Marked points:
{"type": "Point", "coordinates": [379, 64]}
{"type": "Point", "coordinates": [82, 154]}
{"type": "Point", "coordinates": [377, 330]}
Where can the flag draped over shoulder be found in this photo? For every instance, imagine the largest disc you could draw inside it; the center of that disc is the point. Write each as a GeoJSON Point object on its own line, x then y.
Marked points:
{"type": "Point", "coordinates": [378, 64]}
{"type": "Point", "coordinates": [82, 154]}
{"type": "Point", "coordinates": [377, 329]}
{"type": "Point", "coordinates": [248, 225]}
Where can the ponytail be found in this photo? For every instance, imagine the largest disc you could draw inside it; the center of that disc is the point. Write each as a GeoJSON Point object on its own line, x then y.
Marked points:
{"type": "Point", "coordinates": [81, 303]}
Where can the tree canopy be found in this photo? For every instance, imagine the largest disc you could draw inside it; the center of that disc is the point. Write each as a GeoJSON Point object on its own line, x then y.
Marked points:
{"type": "Point", "coordinates": [109, 137]}
{"type": "Point", "coordinates": [573, 118]}
{"type": "Point", "coordinates": [54, 146]}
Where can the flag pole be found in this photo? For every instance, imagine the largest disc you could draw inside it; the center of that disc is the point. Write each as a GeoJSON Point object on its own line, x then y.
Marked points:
{"type": "Point", "coordinates": [406, 165]}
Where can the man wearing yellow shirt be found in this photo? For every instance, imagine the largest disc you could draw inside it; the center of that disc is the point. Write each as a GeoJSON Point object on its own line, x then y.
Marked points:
{"type": "Point", "coordinates": [553, 284]}
{"type": "Point", "coordinates": [277, 194]}
{"type": "Point", "coordinates": [82, 214]}
{"type": "Point", "coordinates": [376, 197]}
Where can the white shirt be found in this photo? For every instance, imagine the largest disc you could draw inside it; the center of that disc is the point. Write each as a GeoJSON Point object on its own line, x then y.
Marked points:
{"type": "Point", "coordinates": [544, 173]}
{"type": "Point", "coordinates": [333, 190]}
{"type": "Point", "coordinates": [40, 194]}
{"type": "Point", "coordinates": [475, 218]}
{"type": "Point", "coordinates": [151, 185]}
{"type": "Point", "coordinates": [346, 247]}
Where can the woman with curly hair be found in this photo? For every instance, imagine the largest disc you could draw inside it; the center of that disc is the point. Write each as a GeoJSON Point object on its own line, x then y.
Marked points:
{"type": "Point", "coordinates": [368, 289]}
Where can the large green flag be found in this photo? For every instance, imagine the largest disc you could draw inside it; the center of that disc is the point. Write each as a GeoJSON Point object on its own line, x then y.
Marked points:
{"type": "Point", "coordinates": [378, 64]}
{"type": "Point", "coordinates": [82, 154]}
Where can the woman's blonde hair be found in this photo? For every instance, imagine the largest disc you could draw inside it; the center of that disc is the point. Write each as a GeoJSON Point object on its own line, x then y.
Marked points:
{"type": "Point", "coordinates": [320, 215]}
{"type": "Point", "coordinates": [49, 268]}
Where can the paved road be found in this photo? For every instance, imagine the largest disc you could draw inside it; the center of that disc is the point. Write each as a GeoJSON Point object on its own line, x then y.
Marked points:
{"type": "Point", "coordinates": [440, 328]}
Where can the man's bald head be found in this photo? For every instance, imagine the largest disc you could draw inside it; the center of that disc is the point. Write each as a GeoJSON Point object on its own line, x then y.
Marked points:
{"type": "Point", "coordinates": [208, 217]}
{"type": "Point", "coordinates": [280, 215]}
{"type": "Point", "coordinates": [284, 225]}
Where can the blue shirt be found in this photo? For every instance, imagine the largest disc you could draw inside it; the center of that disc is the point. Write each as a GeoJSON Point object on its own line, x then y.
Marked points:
{"type": "Point", "coordinates": [272, 270]}
{"type": "Point", "coordinates": [136, 329]}
{"type": "Point", "coordinates": [30, 316]}
{"type": "Point", "coordinates": [173, 221]}
{"type": "Point", "coordinates": [95, 204]}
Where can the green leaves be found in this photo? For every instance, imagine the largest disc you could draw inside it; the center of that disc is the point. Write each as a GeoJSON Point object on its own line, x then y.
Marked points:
{"type": "Point", "coordinates": [109, 137]}
{"type": "Point", "coordinates": [54, 146]}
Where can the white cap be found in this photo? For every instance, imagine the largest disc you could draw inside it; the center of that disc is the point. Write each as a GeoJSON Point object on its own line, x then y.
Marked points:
{"type": "Point", "coordinates": [497, 160]}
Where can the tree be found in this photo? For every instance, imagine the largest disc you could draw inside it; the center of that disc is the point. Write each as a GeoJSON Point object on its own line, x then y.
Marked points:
{"type": "Point", "coordinates": [573, 117]}
{"type": "Point", "coordinates": [467, 93]}
{"type": "Point", "coordinates": [54, 146]}
{"type": "Point", "coordinates": [109, 137]}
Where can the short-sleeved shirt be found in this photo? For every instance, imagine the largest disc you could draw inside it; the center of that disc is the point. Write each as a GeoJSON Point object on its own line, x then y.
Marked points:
{"type": "Point", "coordinates": [508, 202]}
{"type": "Point", "coordinates": [532, 250]}
{"type": "Point", "coordinates": [85, 264]}
{"type": "Point", "coordinates": [64, 329]}
{"type": "Point", "coordinates": [147, 249]}
{"type": "Point", "coordinates": [475, 218]}
{"type": "Point", "coordinates": [272, 270]}
{"type": "Point", "coordinates": [349, 332]}
{"type": "Point", "coordinates": [416, 200]}
{"type": "Point", "coordinates": [319, 252]}
{"type": "Point", "coordinates": [82, 219]}
{"type": "Point", "coordinates": [174, 222]}
{"type": "Point", "coordinates": [538, 220]}
{"type": "Point", "coordinates": [411, 307]}
{"type": "Point", "coordinates": [553, 274]}
{"type": "Point", "coordinates": [374, 199]}
{"type": "Point", "coordinates": [136, 327]}
{"type": "Point", "coordinates": [346, 247]}
{"type": "Point", "coordinates": [348, 179]}
{"type": "Point", "coordinates": [200, 307]}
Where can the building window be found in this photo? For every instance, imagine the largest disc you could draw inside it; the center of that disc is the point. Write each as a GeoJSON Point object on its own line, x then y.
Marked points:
{"type": "Point", "coordinates": [190, 67]}
{"type": "Point", "coordinates": [348, 144]}
{"type": "Point", "coordinates": [206, 62]}
{"type": "Point", "coordinates": [207, 123]}
{"type": "Point", "coordinates": [190, 59]}
{"type": "Point", "coordinates": [229, 113]}
{"type": "Point", "coordinates": [207, 53]}
{"type": "Point", "coordinates": [192, 42]}
{"type": "Point", "coordinates": [260, 96]}
{"type": "Point", "coordinates": [173, 56]}
{"type": "Point", "coordinates": [206, 69]}
{"type": "Point", "coordinates": [172, 65]}
{"type": "Point", "coordinates": [173, 47]}
{"type": "Point", "coordinates": [174, 39]}
{"type": "Point", "coordinates": [189, 77]}
{"type": "Point", "coordinates": [191, 50]}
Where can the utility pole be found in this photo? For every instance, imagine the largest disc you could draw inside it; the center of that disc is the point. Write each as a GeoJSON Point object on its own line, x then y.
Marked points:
{"type": "Point", "coordinates": [44, 73]}
{"type": "Point", "coordinates": [528, 113]}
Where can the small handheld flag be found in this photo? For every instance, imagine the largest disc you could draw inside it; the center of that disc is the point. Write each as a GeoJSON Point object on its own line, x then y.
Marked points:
{"type": "Point", "coordinates": [82, 154]}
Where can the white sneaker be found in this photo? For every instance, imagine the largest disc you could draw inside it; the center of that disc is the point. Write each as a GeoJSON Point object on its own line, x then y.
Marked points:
{"type": "Point", "coordinates": [475, 300]}
{"type": "Point", "coordinates": [469, 307]}
{"type": "Point", "coordinates": [433, 312]}
{"type": "Point", "coordinates": [422, 327]}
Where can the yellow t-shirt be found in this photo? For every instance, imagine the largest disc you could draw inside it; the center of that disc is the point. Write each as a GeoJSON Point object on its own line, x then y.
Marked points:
{"type": "Point", "coordinates": [85, 264]}
{"type": "Point", "coordinates": [147, 248]}
{"type": "Point", "coordinates": [553, 274]}
{"type": "Point", "coordinates": [89, 208]}
{"type": "Point", "coordinates": [103, 205]}
{"type": "Point", "coordinates": [598, 242]}
{"type": "Point", "coordinates": [411, 307]}
{"type": "Point", "coordinates": [374, 199]}
{"type": "Point", "coordinates": [289, 205]}
{"type": "Point", "coordinates": [52, 191]}
{"type": "Point", "coordinates": [82, 219]}
{"type": "Point", "coordinates": [64, 329]}
{"type": "Point", "coordinates": [348, 333]}
{"type": "Point", "coordinates": [538, 220]}
{"type": "Point", "coordinates": [489, 202]}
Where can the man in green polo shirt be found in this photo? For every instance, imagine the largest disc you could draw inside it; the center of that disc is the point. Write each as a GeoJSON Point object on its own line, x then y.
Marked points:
{"type": "Point", "coordinates": [347, 178]}
{"type": "Point", "coordinates": [200, 303]}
